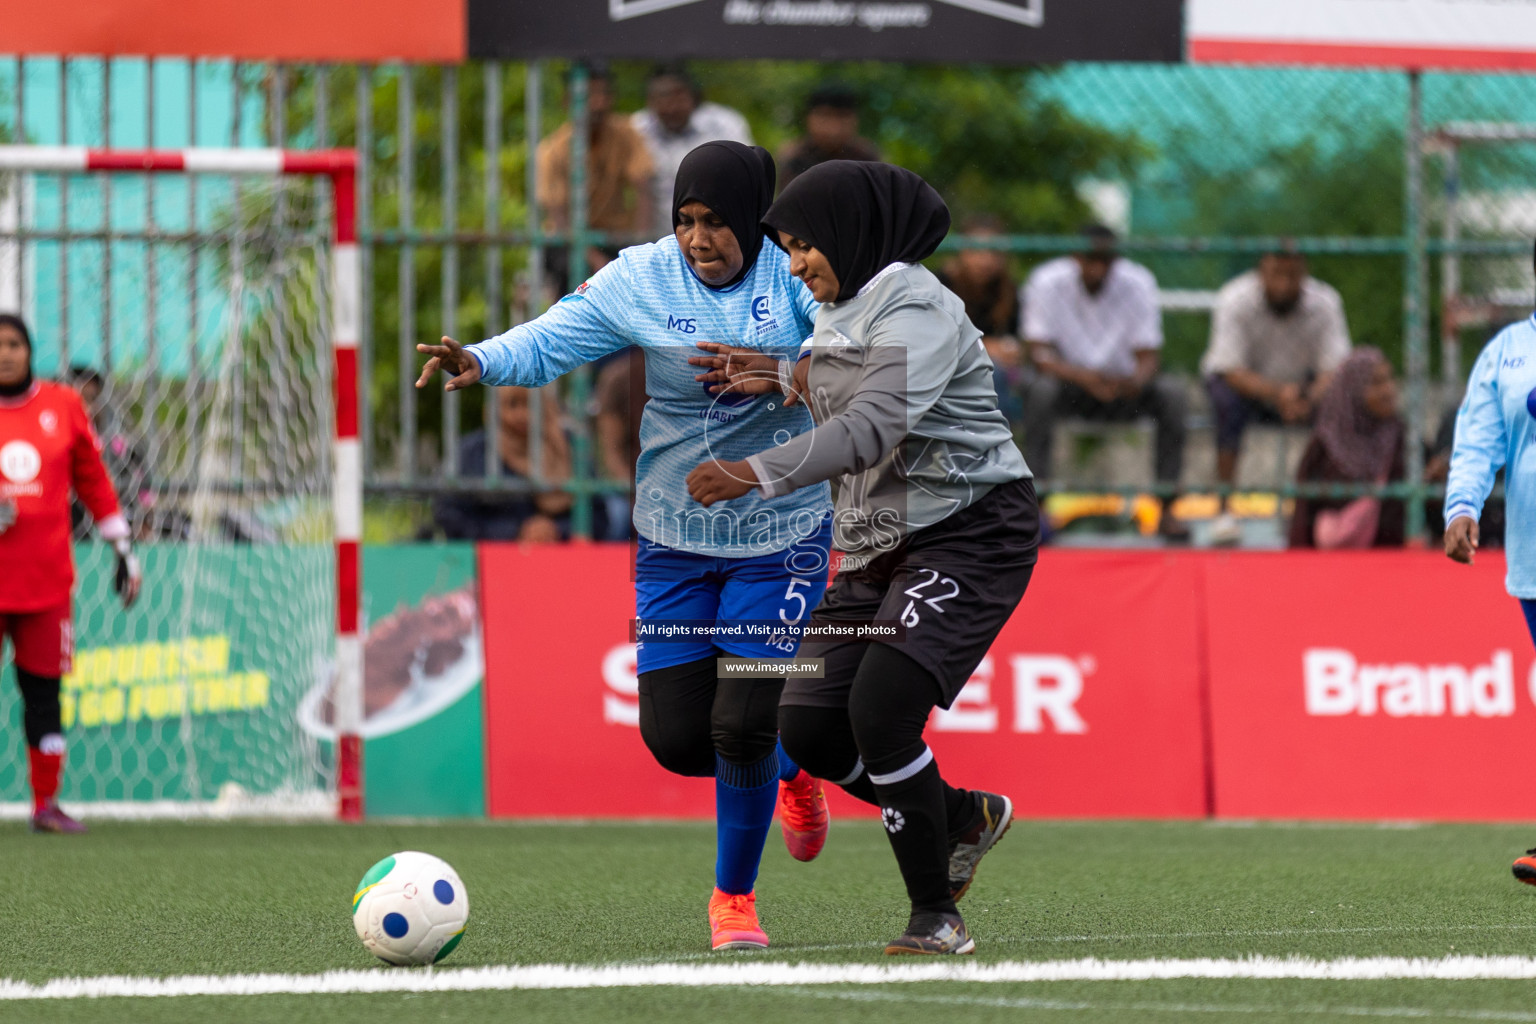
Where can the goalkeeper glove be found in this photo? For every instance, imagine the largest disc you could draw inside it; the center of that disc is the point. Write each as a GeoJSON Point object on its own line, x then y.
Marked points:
{"type": "Point", "coordinates": [128, 578]}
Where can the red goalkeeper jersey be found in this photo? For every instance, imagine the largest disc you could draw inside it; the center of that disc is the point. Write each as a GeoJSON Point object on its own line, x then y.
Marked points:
{"type": "Point", "coordinates": [47, 449]}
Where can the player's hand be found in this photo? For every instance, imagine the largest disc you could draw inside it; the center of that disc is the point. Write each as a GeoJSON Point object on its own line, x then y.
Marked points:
{"type": "Point", "coordinates": [720, 481]}
{"type": "Point", "coordinates": [128, 579]}
{"type": "Point", "coordinates": [462, 368]}
{"type": "Point", "coordinates": [1461, 540]}
{"type": "Point", "coordinates": [799, 382]}
{"type": "Point", "coordinates": [741, 371]}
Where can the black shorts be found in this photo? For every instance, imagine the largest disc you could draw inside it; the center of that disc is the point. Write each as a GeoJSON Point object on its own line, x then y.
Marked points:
{"type": "Point", "coordinates": [952, 585]}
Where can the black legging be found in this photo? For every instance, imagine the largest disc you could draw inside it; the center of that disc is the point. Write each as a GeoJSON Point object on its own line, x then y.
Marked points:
{"type": "Point", "coordinates": [688, 714]}
{"type": "Point", "coordinates": [888, 707]}
{"type": "Point", "coordinates": [40, 714]}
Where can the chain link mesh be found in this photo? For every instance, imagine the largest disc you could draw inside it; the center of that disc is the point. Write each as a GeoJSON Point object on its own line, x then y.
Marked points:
{"type": "Point", "coordinates": [199, 338]}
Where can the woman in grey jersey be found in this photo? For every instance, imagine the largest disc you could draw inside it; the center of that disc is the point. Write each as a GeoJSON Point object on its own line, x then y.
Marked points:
{"type": "Point", "coordinates": [935, 512]}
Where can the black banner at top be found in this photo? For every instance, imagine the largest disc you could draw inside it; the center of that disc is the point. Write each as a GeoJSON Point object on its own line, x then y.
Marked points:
{"type": "Point", "coordinates": [993, 31]}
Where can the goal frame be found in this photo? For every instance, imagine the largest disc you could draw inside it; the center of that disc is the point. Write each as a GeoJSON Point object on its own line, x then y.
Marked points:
{"type": "Point", "coordinates": [339, 167]}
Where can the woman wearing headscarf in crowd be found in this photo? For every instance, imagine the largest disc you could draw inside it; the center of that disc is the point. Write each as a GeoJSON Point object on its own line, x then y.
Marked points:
{"type": "Point", "coordinates": [47, 450]}
{"type": "Point", "coordinates": [936, 514]}
{"type": "Point", "coordinates": [1358, 440]}
{"type": "Point", "coordinates": [1493, 432]}
{"type": "Point", "coordinates": [759, 560]}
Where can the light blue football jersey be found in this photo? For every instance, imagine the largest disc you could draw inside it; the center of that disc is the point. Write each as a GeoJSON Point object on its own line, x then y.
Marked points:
{"type": "Point", "coordinates": [1496, 429]}
{"type": "Point", "coordinates": [650, 297]}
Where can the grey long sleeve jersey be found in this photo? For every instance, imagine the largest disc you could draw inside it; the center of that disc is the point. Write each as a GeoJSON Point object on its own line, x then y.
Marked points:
{"type": "Point", "coordinates": [908, 428]}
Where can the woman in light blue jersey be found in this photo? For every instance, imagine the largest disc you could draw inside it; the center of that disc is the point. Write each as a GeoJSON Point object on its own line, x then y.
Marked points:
{"type": "Point", "coordinates": [1494, 429]}
{"type": "Point", "coordinates": [754, 562]}
{"type": "Point", "coordinates": [936, 517]}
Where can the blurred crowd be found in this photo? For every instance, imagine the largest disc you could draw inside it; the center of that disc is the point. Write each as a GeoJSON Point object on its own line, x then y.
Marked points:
{"type": "Point", "coordinates": [1078, 338]}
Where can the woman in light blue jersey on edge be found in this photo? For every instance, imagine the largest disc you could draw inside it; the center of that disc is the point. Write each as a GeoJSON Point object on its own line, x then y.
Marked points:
{"type": "Point", "coordinates": [752, 560]}
{"type": "Point", "coordinates": [1495, 427]}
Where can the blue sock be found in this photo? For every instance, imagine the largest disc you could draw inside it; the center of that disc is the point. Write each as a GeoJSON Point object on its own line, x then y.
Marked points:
{"type": "Point", "coordinates": [787, 768]}
{"type": "Point", "coordinates": [744, 799]}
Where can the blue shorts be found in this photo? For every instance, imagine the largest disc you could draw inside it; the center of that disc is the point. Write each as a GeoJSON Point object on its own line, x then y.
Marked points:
{"type": "Point", "coordinates": [679, 586]}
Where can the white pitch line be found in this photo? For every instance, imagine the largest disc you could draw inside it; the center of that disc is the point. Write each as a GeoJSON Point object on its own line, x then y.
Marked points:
{"type": "Point", "coordinates": [563, 976]}
{"type": "Point", "coordinates": [1027, 940]}
{"type": "Point", "coordinates": [1182, 1009]}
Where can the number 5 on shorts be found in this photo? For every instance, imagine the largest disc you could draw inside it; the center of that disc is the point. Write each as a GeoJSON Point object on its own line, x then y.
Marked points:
{"type": "Point", "coordinates": [791, 595]}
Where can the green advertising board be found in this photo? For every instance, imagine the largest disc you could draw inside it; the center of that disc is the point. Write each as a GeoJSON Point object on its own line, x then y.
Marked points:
{"type": "Point", "coordinates": [424, 749]}
{"type": "Point", "coordinates": [215, 686]}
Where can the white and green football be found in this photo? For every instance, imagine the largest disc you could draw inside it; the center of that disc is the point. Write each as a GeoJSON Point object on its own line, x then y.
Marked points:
{"type": "Point", "coordinates": [410, 908]}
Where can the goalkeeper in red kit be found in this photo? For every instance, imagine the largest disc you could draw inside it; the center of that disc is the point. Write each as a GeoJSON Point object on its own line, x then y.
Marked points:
{"type": "Point", "coordinates": [47, 450]}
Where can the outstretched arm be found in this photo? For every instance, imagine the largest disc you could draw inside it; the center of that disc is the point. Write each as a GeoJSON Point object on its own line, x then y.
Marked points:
{"type": "Point", "coordinates": [585, 325]}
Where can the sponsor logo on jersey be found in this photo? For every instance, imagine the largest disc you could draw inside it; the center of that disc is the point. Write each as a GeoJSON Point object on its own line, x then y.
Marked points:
{"type": "Point", "coordinates": [19, 462]}
{"type": "Point", "coordinates": [762, 314]}
{"type": "Point", "coordinates": [579, 293]}
{"type": "Point", "coordinates": [48, 420]}
{"type": "Point", "coordinates": [684, 325]}
{"type": "Point", "coordinates": [1513, 362]}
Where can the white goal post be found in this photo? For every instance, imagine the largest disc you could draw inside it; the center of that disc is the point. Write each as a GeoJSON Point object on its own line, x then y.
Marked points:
{"type": "Point", "coordinates": [339, 287]}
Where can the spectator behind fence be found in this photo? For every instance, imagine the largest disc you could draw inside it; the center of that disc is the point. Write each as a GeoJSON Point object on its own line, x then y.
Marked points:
{"type": "Point", "coordinates": [982, 280]}
{"type": "Point", "coordinates": [124, 460]}
{"type": "Point", "coordinates": [676, 119]}
{"type": "Point", "coordinates": [618, 400]}
{"type": "Point", "coordinates": [540, 518]}
{"type": "Point", "coordinates": [1358, 440]}
{"type": "Point", "coordinates": [1437, 468]}
{"type": "Point", "coordinates": [1277, 336]}
{"type": "Point", "coordinates": [619, 173]}
{"type": "Point", "coordinates": [1094, 332]}
{"type": "Point", "coordinates": [831, 133]}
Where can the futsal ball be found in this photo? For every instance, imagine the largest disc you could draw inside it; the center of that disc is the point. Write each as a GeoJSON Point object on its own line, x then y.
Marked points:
{"type": "Point", "coordinates": [410, 908]}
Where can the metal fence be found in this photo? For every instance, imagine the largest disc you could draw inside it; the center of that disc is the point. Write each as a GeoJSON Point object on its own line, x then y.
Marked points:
{"type": "Point", "coordinates": [1409, 193]}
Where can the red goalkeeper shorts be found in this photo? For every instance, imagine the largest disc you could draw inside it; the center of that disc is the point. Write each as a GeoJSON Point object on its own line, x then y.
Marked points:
{"type": "Point", "coordinates": [43, 642]}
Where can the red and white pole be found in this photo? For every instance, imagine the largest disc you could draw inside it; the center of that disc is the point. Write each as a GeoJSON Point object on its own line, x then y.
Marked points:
{"type": "Point", "coordinates": [346, 329]}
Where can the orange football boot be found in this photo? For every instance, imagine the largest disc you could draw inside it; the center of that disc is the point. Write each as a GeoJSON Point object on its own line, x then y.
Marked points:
{"type": "Point", "coordinates": [733, 922]}
{"type": "Point", "coordinates": [1525, 867]}
{"type": "Point", "coordinates": [803, 815]}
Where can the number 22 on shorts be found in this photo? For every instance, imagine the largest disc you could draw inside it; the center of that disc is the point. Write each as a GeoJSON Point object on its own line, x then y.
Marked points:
{"type": "Point", "coordinates": [909, 615]}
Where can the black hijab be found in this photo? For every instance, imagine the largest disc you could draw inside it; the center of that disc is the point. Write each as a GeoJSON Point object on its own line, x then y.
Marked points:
{"type": "Point", "coordinates": [734, 181]}
{"type": "Point", "coordinates": [10, 320]}
{"type": "Point", "coordinates": [863, 217]}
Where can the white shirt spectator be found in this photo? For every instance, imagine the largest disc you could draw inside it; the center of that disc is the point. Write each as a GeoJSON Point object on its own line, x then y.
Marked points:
{"type": "Point", "coordinates": [710, 122]}
{"type": "Point", "coordinates": [1100, 332]}
{"type": "Point", "coordinates": [1246, 334]}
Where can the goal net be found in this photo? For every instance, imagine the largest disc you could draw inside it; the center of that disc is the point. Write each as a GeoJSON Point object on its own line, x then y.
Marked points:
{"type": "Point", "coordinates": [196, 306]}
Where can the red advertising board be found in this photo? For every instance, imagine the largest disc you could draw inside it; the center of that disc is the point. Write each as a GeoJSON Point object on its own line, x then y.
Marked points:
{"type": "Point", "coordinates": [1367, 685]}
{"type": "Point", "coordinates": [1088, 705]}
{"type": "Point", "coordinates": [367, 30]}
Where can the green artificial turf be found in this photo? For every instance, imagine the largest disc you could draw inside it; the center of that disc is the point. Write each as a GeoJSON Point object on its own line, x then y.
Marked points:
{"type": "Point", "coordinates": [161, 899]}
